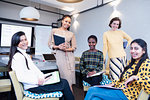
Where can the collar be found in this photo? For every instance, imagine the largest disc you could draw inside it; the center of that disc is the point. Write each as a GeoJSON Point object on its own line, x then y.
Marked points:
{"type": "Point", "coordinates": [21, 50]}
{"type": "Point", "coordinates": [137, 61]}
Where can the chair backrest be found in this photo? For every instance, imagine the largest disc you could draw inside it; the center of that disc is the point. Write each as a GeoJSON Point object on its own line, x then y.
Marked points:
{"type": "Point", "coordinates": [17, 86]}
{"type": "Point", "coordinates": [77, 59]}
{"type": "Point", "coordinates": [143, 96]}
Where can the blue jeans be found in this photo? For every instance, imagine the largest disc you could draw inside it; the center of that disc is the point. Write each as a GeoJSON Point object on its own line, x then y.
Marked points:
{"type": "Point", "coordinates": [97, 93]}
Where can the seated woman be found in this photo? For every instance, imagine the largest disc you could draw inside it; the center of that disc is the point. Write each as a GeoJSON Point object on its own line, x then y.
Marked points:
{"type": "Point", "coordinates": [135, 77]}
{"type": "Point", "coordinates": [28, 74]}
{"type": "Point", "coordinates": [91, 62]}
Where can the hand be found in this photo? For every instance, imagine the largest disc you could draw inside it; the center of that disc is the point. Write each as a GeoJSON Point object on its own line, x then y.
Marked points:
{"type": "Point", "coordinates": [104, 71]}
{"type": "Point", "coordinates": [109, 85]}
{"type": "Point", "coordinates": [91, 73]}
{"type": "Point", "coordinates": [62, 46]}
{"type": "Point", "coordinates": [130, 79]}
{"type": "Point", "coordinates": [66, 45]}
{"type": "Point", "coordinates": [40, 81]}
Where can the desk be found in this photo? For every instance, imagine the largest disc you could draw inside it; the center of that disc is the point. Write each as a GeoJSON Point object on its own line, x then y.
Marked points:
{"type": "Point", "coordinates": [3, 69]}
{"type": "Point", "coordinates": [5, 85]}
{"type": "Point", "coordinates": [46, 65]}
{"type": "Point", "coordinates": [43, 66]}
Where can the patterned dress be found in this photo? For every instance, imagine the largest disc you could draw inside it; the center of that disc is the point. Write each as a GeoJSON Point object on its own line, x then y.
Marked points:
{"type": "Point", "coordinates": [129, 93]}
{"type": "Point", "coordinates": [135, 87]}
{"type": "Point", "coordinates": [65, 60]}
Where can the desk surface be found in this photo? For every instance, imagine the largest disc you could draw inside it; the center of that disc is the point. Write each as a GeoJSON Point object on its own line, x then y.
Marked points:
{"type": "Point", "coordinates": [3, 69]}
{"type": "Point", "coordinates": [46, 65]}
{"type": "Point", "coordinates": [3, 64]}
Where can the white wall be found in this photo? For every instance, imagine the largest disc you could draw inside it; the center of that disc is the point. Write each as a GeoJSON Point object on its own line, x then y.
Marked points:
{"type": "Point", "coordinates": [135, 22]}
{"type": "Point", "coordinates": [93, 22]}
{"type": "Point", "coordinates": [41, 44]}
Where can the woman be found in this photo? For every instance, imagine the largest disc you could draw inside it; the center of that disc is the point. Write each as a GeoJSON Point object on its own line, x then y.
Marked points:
{"type": "Point", "coordinates": [91, 62]}
{"type": "Point", "coordinates": [135, 77]}
{"type": "Point", "coordinates": [28, 74]}
{"type": "Point", "coordinates": [113, 44]}
{"type": "Point", "coordinates": [65, 51]}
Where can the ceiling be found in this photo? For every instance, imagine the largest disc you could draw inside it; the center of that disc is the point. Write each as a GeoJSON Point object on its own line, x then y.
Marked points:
{"type": "Point", "coordinates": [76, 7]}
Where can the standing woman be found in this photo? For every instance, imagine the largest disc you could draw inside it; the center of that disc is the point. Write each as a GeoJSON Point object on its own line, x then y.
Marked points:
{"type": "Point", "coordinates": [113, 44]}
{"type": "Point", "coordinates": [65, 51]}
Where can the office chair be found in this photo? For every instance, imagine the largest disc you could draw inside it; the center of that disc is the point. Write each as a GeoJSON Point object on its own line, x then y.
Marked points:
{"type": "Point", "coordinates": [143, 96]}
{"type": "Point", "coordinates": [19, 91]}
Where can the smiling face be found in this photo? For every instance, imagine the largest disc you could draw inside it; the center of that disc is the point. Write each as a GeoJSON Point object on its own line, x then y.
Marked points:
{"type": "Point", "coordinates": [66, 22]}
{"type": "Point", "coordinates": [23, 44]}
{"type": "Point", "coordinates": [136, 51]}
{"type": "Point", "coordinates": [115, 25]}
{"type": "Point", "coordinates": [92, 43]}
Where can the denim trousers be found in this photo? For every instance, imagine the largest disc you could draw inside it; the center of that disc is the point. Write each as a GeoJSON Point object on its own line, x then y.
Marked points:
{"type": "Point", "coordinates": [97, 93]}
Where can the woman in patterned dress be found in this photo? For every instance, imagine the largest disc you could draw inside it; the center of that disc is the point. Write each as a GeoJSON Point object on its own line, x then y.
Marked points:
{"type": "Point", "coordinates": [135, 77]}
{"type": "Point", "coordinates": [65, 51]}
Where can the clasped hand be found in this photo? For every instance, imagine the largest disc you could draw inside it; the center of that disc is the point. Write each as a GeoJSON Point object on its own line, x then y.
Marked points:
{"type": "Point", "coordinates": [91, 73]}
{"type": "Point", "coordinates": [130, 79]}
{"type": "Point", "coordinates": [63, 46]}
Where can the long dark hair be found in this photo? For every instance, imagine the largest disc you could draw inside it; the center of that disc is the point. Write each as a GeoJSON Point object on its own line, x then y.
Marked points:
{"type": "Point", "coordinates": [142, 44]}
{"type": "Point", "coordinates": [14, 43]}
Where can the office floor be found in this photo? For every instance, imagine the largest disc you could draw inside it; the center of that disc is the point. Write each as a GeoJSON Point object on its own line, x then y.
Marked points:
{"type": "Point", "coordinates": [78, 93]}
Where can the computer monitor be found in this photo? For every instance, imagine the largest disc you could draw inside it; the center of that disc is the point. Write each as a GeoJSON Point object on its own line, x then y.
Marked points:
{"type": "Point", "coordinates": [8, 30]}
{"type": "Point", "coordinates": [49, 57]}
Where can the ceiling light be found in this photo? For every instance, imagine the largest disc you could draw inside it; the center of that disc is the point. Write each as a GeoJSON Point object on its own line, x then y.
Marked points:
{"type": "Point", "coordinates": [76, 15]}
{"type": "Point", "coordinates": [69, 1]}
{"type": "Point", "coordinates": [115, 3]}
{"type": "Point", "coordinates": [30, 14]}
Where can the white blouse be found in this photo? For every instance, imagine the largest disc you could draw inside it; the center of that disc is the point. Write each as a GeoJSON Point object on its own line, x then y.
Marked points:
{"type": "Point", "coordinates": [29, 77]}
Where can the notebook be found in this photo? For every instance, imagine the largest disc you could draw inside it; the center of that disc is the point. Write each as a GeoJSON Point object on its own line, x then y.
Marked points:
{"type": "Point", "coordinates": [54, 77]}
{"type": "Point", "coordinates": [125, 44]}
{"type": "Point", "coordinates": [99, 73]}
{"type": "Point", "coordinates": [105, 86]}
{"type": "Point", "coordinates": [58, 39]}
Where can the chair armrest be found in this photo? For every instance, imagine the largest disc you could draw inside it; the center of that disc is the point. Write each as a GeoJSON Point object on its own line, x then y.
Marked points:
{"type": "Point", "coordinates": [143, 96]}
